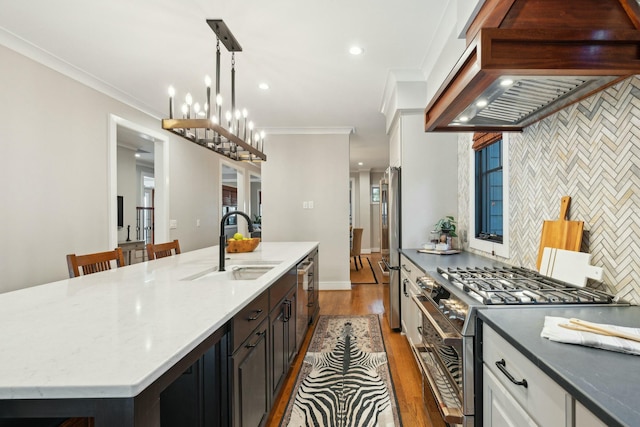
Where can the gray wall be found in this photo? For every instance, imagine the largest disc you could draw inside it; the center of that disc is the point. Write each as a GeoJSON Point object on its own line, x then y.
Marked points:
{"type": "Point", "coordinates": [54, 171]}
{"type": "Point", "coordinates": [591, 152]}
{"type": "Point", "coordinates": [310, 168]}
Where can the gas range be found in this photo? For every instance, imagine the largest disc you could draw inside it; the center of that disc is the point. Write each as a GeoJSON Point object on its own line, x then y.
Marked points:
{"type": "Point", "coordinates": [448, 303]}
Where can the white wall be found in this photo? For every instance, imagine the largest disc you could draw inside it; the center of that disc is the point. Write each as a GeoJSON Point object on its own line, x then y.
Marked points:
{"type": "Point", "coordinates": [310, 168]}
{"type": "Point", "coordinates": [127, 189]}
{"type": "Point", "coordinates": [364, 218]}
{"type": "Point", "coordinates": [429, 177]}
{"type": "Point", "coordinates": [54, 171]}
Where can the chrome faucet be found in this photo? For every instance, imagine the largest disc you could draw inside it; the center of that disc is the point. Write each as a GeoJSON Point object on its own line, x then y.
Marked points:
{"type": "Point", "coordinates": [223, 237]}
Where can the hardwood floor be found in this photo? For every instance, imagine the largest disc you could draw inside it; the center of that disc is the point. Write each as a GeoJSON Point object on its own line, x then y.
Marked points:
{"type": "Point", "coordinates": [368, 299]}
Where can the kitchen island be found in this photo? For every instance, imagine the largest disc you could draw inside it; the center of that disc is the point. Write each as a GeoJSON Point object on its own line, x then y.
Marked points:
{"type": "Point", "coordinates": [105, 345]}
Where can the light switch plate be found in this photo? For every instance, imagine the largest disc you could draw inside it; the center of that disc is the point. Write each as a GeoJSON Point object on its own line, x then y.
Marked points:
{"type": "Point", "coordinates": [173, 223]}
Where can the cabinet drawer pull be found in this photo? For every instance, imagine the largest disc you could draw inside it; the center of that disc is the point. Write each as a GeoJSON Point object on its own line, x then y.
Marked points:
{"type": "Point", "coordinates": [404, 287]}
{"type": "Point", "coordinates": [255, 316]}
{"type": "Point", "coordinates": [260, 335]}
{"type": "Point", "coordinates": [404, 267]}
{"type": "Point", "coordinates": [502, 365]}
{"type": "Point", "coordinates": [287, 311]}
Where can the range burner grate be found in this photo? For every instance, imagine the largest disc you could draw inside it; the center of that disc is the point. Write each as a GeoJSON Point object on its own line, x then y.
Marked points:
{"type": "Point", "coordinates": [518, 285]}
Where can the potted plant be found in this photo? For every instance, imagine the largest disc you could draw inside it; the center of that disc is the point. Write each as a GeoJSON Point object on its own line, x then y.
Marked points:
{"type": "Point", "coordinates": [446, 226]}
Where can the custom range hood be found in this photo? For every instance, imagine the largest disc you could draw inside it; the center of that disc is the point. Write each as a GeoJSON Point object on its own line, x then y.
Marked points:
{"type": "Point", "coordinates": [527, 59]}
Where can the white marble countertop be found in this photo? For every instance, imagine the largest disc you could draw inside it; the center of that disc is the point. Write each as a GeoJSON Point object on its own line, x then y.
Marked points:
{"type": "Point", "coordinates": [111, 334]}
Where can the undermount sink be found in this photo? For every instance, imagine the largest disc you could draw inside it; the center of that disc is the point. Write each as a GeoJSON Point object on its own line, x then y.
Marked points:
{"type": "Point", "coordinates": [233, 273]}
{"type": "Point", "coordinates": [231, 262]}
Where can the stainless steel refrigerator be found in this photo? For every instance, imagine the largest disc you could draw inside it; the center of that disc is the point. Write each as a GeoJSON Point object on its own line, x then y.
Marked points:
{"type": "Point", "coordinates": [390, 240]}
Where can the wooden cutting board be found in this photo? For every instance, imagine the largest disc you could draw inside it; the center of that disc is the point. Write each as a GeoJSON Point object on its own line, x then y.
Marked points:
{"type": "Point", "coordinates": [561, 234]}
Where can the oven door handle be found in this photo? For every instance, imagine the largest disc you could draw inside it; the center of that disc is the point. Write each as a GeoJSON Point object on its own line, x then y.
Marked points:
{"type": "Point", "coordinates": [502, 365]}
{"type": "Point", "coordinates": [386, 264]}
{"type": "Point", "coordinates": [452, 338]}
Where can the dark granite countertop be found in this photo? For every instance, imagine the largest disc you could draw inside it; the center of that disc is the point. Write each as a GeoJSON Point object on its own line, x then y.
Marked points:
{"type": "Point", "coordinates": [605, 382]}
{"type": "Point", "coordinates": [429, 262]}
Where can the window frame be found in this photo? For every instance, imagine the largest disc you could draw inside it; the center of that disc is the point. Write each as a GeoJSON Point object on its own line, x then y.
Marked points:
{"type": "Point", "coordinates": [490, 247]}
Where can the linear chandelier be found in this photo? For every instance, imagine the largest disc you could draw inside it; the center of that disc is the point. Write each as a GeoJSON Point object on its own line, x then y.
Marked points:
{"type": "Point", "coordinates": [237, 140]}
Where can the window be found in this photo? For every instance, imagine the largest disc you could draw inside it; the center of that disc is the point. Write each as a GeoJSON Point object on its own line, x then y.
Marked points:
{"type": "Point", "coordinates": [375, 194]}
{"type": "Point", "coordinates": [489, 192]}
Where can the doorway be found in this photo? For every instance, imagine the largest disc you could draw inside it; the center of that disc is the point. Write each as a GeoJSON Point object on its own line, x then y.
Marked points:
{"type": "Point", "coordinates": [229, 198]}
{"type": "Point", "coordinates": [151, 172]}
{"type": "Point", "coordinates": [255, 203]}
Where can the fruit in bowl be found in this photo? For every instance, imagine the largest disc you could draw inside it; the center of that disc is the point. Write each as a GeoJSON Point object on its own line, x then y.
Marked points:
{"type": "Point", "coordinates": [244, 244]}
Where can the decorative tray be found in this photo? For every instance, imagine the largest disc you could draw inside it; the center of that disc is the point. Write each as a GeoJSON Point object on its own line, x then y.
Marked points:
{"type": "Point", "coordinates": [437, 252]}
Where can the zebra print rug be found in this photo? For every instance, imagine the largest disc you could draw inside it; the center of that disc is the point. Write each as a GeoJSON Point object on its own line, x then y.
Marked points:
{"type": "Point", "coordinates": [344, 380]}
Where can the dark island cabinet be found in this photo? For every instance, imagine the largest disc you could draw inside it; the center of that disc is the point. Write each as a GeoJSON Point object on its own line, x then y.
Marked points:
{"type": "Point", "coordinates": [250, 384]}
{"type": "Point", "coordinates": [199, 397]}
{"type": "Point", "coordinates": [283, 338]}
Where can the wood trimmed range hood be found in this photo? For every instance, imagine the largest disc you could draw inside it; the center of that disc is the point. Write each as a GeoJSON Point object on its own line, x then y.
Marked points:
{"type": "Point", "coordinates": [527, 59]}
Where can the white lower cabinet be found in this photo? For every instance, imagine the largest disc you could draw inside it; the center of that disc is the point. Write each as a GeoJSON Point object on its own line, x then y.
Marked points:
{"type": "Point", "coordinates": [411, 317]}
{"type": "Point", "coordinates": [519, 391]}
{"type": "Point", "coordinates": [584, 418]}
{"type": "Point", "coordinates": [500, 409]}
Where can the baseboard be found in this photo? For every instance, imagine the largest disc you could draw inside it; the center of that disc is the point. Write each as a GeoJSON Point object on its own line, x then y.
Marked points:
{"type": "Point", "coordinates": [365, 251]}
{"type": "Point", "coordinates": [373, 250]}
{"type": "Point", "coordinates": [334, 286]}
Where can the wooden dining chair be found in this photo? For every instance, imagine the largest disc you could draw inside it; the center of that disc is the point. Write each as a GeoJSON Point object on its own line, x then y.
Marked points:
{"type": "Point", "coordinates": [93, 263]}
{"type": "Point", "coordinates": [162, 250]}
{"type": "Point", "coordinates": [356, 247]}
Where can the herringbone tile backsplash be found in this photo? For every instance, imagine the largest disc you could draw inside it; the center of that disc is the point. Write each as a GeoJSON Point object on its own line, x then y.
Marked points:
{"type": "Point", "coordinates": [591, 152]}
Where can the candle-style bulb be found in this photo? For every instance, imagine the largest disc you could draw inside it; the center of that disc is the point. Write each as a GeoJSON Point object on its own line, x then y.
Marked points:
{"type": "Point", "coordinates": [184, 109]}
{"type": "Point", "coordinates": [245, 113]}
{"type": "Point", "coordinates": [207, 81]}
{"type": "Point", "coordinates": [214, 120]}
{"type": "Point", "coordinates": [196, 107]}
{"type": "Point", "coordinates": [188, 99]}
{"type": "Point", "coordinates": [238, 114]}
{"type": "Point", "coordinates": [219, 100]}
{"type": "Point", "coordinates": [172, 93]}
{"type": "Point", "coordinates": [262, 134]}
{"type": "Point", "coordinates": [250, 125]}
{"type": "Point", "coordinates": [257, 137]}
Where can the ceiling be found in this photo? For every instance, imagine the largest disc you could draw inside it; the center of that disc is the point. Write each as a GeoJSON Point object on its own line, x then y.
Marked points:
{"type": "Point", "coordinates": [300, 48]}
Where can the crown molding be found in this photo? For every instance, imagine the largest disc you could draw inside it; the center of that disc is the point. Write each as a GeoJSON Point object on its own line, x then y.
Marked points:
{"type": "Point", "coordinates": [311, 131]}
{"type": "Point", "coordinates": [43, 57]}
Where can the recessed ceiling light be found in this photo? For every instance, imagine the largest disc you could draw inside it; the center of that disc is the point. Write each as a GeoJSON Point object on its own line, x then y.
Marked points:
{"type": "Point", "coordinates": [137, 155]}
{"type": "Point", "coordinates": [263, 86]}
{"type": "Point", "coordinates": [356, 50]}
{"type": "Point", "coordinates": [481, 103]}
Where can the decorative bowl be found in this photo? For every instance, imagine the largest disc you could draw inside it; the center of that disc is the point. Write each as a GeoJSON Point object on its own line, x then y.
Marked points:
{"type": "Point", "coordinates": [248, 245]}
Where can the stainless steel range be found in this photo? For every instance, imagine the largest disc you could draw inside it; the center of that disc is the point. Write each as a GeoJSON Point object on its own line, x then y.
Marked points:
{"type": "Point", "coordinates": [449, 300]}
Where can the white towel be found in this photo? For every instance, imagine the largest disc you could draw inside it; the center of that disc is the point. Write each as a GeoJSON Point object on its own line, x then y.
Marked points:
{"type": "Point", "coordinates": [554, 332]}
